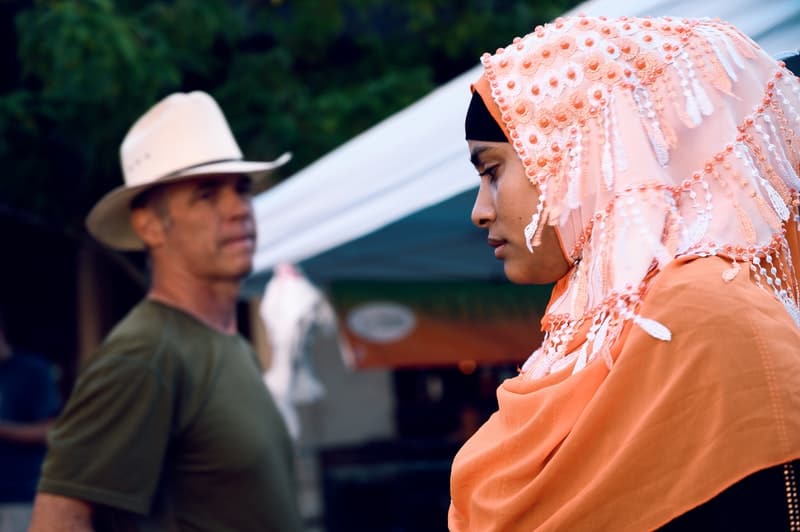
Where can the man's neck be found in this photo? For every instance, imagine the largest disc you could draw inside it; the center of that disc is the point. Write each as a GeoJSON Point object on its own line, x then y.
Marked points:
{"type": "Point", "coordinates": [213, 303]}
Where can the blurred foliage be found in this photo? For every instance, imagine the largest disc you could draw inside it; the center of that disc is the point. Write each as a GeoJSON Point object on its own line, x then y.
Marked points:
{"type": "Point", "coordinates": [304, 76]}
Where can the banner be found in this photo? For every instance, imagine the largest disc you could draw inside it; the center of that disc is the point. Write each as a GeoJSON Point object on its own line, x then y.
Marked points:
{"type": "Point", "coordinates": [433, 324]}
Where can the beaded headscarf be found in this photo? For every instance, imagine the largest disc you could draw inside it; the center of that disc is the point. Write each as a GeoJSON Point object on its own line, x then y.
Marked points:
{"type": "Point", "coordinates": [649, 140]}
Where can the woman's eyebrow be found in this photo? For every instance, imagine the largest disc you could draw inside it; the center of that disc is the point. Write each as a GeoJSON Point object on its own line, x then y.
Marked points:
{"type": "Point", "coordinates": [475, 154]}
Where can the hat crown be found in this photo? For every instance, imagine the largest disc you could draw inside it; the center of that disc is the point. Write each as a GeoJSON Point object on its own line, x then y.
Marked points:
{"type": "Point", "coordinates": [181, 131]}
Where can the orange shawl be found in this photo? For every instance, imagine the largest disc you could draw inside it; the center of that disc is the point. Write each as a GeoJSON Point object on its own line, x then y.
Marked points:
{"type": "Point", "coordinates": [668, 427]}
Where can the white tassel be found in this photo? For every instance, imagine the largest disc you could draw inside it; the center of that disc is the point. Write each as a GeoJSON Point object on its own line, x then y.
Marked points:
{"type": "Point", "coordinates": [732, 51]}
{"type": "Point", "coordinates": [531, 360]}
{"type": "Point", "coordinates": [605, 353]}
{"type": "Point", "coordinates": [777, 202]}
{"type": "Point", "coordinates": [653, 328]}
{"type": "Point", "coordinates": [562, 363]}
{"type": "Point", "coordinates": [653, 128]}
{"type": "Point", "coordinates": [663, 256]}
{"type": "Point", "coordinates": [778, 205]}
{"type": "Point", "coordinates": [731, 273]}
{"type": "Point", "coordinates": [781, 157]}
{"type": "Point", "coordinates": [791, 308]}
{"type": "Point", "coordinates": [722, 59]}
{"type": "Point", "coordinates": [692, 110]}
{"type": "Point", "coordinates": [573, 186]}
{"type": "Point", "coordinates": [696, 232]}
{"type": "Point", "coordinates": [607, 163]}
{"type": "Point", "coordinates": [600, 337]}
{"type": "Point", "coordinates": [619, 152]}
{"type": "Point", "coordinates": [659, 148]}
{"type": "Point", "coordinates": [702, 97]}
{"type": "Point", "coordinates": [580, 363]}
{"type": "Point", "coordinates": [596, 277]}
{"type": "Point", "coordinates": [530, 230]}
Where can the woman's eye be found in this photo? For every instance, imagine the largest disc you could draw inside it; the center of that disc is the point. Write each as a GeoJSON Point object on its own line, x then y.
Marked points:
{"type": "Point", "coordinates": [490, 172]}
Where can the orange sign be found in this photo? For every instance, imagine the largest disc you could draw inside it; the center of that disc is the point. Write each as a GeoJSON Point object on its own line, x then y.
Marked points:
{"type": "Point", "coordinates": [434, 324]}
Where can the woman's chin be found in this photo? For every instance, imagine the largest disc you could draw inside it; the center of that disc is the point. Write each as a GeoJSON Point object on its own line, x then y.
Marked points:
{"type": "Point", "coordinates": [529, 275]}
{"type": "Point", "coordinates": [518, 275]}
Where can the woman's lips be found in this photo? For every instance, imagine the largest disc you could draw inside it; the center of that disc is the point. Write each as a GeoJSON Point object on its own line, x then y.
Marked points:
{"type": "Point", "coordinates": [498, 245]}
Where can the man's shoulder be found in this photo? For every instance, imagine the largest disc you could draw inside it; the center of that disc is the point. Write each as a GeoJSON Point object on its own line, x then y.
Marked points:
{"type": "Point", "coordinates": [155, 334]}
{"type": "Point", "coordinates": [142, 336]}
{"type": "Point", "coordinates": [143, 326]}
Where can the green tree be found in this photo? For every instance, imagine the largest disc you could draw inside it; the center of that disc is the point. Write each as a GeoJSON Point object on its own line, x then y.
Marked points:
{"type": "Point", "coordinates": [297, 75]}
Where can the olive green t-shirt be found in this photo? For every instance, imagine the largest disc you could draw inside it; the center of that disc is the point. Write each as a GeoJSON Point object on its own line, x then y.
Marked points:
{"type": "Point", "coordinates": [170, 427]}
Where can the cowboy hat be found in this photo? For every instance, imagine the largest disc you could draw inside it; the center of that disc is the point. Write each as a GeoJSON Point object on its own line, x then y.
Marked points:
{"type": "Point", "coordinates": [185, 135]}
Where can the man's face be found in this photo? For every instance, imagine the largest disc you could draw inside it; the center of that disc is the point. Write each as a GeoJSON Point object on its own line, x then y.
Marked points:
{"type": "Point", "coordinates": [207, 227]}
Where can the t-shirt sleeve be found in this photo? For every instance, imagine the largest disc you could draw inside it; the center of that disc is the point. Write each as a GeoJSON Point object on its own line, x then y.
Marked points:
{"type": "Point", "coordinates": [109, 444]}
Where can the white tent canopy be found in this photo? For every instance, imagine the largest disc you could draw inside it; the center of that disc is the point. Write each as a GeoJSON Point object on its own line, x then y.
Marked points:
{"type": "Point", "coordinates": [397, 176]}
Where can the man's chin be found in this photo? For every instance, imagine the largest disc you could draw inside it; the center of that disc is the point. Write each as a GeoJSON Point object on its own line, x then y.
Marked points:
{"type": "Point", "coordinates": [242, 273]}
{"type": "Point", "coordinates": [237, 272]}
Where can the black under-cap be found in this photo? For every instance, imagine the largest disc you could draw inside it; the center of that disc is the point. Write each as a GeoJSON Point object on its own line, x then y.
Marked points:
{"type": "Point", "coordinates": [792, 60]}
{"type": "Point", "coordinates": [480, 124]}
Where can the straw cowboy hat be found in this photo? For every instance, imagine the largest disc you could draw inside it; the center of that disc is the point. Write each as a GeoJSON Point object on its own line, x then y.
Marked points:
{"type": "Point", "coordinates": [185, 135]}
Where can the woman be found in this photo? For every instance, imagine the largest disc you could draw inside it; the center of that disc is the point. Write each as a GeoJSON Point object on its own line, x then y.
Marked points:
{"type": "Point", "coordinates": [649, 168]}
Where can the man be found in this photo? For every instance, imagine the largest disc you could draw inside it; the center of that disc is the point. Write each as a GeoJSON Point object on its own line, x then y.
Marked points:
{"type": "Point", "coordinates": [29, 401]}
{"type": "Point", "coordinates": [170, 426]}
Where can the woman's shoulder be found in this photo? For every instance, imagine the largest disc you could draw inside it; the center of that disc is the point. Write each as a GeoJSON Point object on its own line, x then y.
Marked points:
{"type": "Point", "coordinates": [713, 296]}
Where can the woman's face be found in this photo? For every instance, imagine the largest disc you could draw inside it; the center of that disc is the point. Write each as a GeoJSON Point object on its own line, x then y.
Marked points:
{"type": "Point", "coordinates": [504, 205]}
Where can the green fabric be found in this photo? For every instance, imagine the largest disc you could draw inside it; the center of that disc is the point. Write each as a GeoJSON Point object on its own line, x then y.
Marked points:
{"type": "Point", "coordinates": [449, 300]}
{"type": "Point", "coordinates": [170, 427]}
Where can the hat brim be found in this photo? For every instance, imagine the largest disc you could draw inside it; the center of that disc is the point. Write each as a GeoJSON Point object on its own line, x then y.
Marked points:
{"type": "Point", "coordinates": [109, 221]}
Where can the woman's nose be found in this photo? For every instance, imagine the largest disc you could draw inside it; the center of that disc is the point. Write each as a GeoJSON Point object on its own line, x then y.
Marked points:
{"type": "Point", "coordinates": [483, 212]}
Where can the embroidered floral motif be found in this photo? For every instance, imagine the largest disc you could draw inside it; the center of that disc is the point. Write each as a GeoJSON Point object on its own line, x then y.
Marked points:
{"type": "Point", "coordinates": [608, 118]}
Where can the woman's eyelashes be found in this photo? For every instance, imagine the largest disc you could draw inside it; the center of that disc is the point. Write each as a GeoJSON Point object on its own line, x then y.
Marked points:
{"type": "Point", "coordinates": [490, 172]}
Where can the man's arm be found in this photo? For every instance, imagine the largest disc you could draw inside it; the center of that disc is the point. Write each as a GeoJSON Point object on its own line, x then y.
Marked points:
{"type": "Point", "coordinates": [54, 513]}
{"type": "Point", "coordinates": [33, 433]}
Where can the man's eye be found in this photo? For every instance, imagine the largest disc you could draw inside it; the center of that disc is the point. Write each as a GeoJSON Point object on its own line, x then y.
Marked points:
{"type": "Point", "coordinates": [205, 193]}
{"type": "Point", "coordinates": [244, 187]}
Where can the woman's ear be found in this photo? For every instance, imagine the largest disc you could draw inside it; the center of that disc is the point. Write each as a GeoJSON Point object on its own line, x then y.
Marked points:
{"type": "Point", "coordinates": [149, 226]}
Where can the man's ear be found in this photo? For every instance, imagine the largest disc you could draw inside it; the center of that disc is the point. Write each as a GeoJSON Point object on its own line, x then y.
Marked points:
{"type": "Point", "coordinates": [149, 226]}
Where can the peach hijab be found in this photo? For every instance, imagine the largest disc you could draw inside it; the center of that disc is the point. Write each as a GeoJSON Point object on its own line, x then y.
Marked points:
{"type": "Point", "coordinates": [666, 153]}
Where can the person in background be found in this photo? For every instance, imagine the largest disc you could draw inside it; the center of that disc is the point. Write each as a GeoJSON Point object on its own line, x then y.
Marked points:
{"type": "Point", "coordinates": [170, 426]}
{"type": "Point", "coordinates": [649, 168]}
{"type": "Point", "coordinates": [29, 402]}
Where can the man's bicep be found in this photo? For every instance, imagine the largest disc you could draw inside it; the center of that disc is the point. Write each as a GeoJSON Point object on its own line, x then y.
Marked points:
{"type": "Point", "coordinates": [54, 513]}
